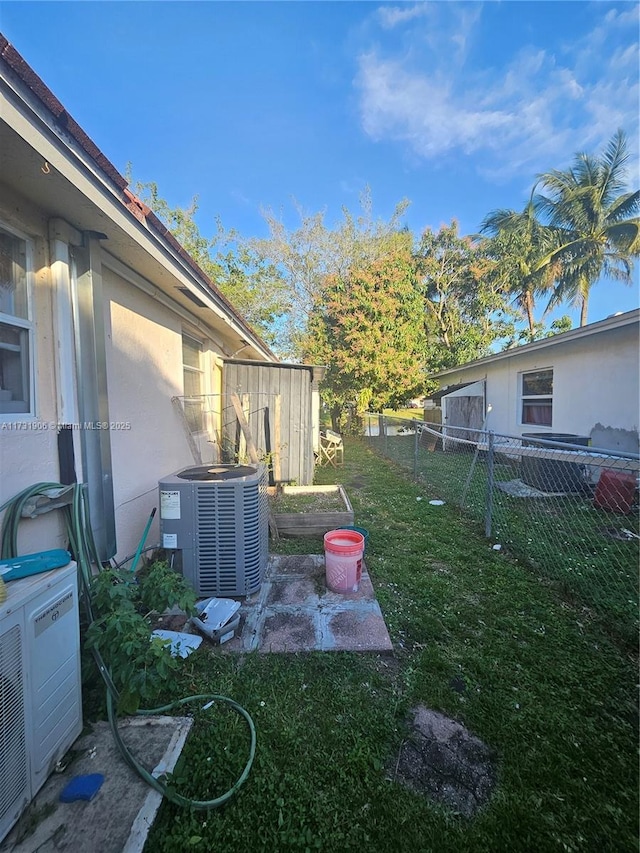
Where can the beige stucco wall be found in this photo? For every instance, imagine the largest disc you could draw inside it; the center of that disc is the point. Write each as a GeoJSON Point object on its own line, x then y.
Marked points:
{"type": "Point", "coordinates": [596, 389]}
{"type": "Point", "coordinates": [144, 371]}
{"type": "Point", "coordinates": [28, 443]}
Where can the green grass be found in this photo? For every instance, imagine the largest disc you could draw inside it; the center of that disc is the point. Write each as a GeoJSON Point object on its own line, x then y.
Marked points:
{"type": "Point", "coordinates": [564, 539]}
{"type": "Point", "coordinates": [544, 687]}
{"type": "Point", "coordinates": [405, 413]}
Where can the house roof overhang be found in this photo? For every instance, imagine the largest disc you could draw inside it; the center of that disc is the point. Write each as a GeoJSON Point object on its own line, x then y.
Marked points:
{"type": "Point", "coordinates": [616, 321]}
{"type": "Point", "coordinates": [46, 158]}
{"type": "Point", "coordinates": [449, 389]}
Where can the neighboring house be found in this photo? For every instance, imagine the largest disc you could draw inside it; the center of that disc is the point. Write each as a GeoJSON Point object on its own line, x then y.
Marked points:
{"type": "Point", "coordinates": [583, 382]}
{"type": "Point", "coordinates": [104, 321]}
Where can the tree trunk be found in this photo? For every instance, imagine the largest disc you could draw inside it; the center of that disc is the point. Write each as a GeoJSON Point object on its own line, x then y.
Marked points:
{"type": "Point", "coordinates": [528, 307]}
{"type": "Point", "coordinates": [583, 310]}
{"type": "Point", "coordinates": [336, 417]}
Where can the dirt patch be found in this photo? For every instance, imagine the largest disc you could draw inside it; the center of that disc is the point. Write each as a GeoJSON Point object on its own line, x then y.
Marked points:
{"type": "Point", "coordinates": [357, 483]}
{"type": "Point", "coordinates": [447, 763]}
{"type": "Point", "coordinates": [619, 534]}
{"type": "Point", "coordinates": [315, 502]}
{"type": "Point", "coordinates": [388, 664]}
{"type": "Point", "coordinates": [172, 622]}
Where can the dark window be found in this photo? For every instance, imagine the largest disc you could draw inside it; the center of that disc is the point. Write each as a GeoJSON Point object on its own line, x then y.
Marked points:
{"type": "Point", "coordinates": [537, 398]}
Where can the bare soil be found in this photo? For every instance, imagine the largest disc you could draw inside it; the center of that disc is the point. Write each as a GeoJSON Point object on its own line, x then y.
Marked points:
{"type": "Point", "coordinates": [316, 502]}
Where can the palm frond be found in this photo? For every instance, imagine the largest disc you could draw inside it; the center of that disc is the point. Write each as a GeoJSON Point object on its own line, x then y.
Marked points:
{"type": "Point", "coordinates": [498, 219]}
{"type": "Point", "coordinates": [613, 162]}
{"type": "Point", "coordinates": [624, 236]}
{"type": "Point", "coordinates": [624, 207]}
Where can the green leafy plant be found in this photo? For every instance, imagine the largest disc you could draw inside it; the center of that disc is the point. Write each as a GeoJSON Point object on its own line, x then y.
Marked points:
{"type": "Point", "coordinates": [124, 607]}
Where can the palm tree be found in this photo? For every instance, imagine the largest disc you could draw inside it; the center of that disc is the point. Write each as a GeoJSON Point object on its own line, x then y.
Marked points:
{"type": "Point", "coordinates": [518, 243]}
{"type": "Point", "coordinates": [594, 219]}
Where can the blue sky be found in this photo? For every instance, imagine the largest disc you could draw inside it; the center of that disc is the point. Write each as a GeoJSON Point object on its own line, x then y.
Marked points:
{"type": "Point", "coordinates": [455, 106]}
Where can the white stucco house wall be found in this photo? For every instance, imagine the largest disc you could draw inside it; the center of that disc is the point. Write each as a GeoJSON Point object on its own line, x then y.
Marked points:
{"type": "Point", "coordinates": [104, 318]}
{"type": "Point", "coordinates": [583, 382]}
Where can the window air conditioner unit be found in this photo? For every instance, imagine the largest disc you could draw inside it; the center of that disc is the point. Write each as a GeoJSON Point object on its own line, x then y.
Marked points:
{"type": "Point", "coordinates": [217, 520]}
{"type": "Point", "coordinates": [40, 685]}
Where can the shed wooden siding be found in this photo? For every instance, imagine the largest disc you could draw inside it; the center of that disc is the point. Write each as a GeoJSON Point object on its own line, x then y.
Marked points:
{"type": "Point", "coordinates": [263, 383]}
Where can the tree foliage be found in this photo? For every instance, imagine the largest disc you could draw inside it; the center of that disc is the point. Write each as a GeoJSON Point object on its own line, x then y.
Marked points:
{"type": "Point", "coordinates": [382, 309]}
{"type": "Point", "coordinates": [312, 251]}
{"type": "Point", "coordinates": [465, 312]}
{"type": "Point", "coordinates": [367, 326]}
{"type": "Point", "coordinates": [594, 218]}
{"type": "Point", "coordinates": [252, 284]}
{"type": "Point", "coordinates": [517, 244]}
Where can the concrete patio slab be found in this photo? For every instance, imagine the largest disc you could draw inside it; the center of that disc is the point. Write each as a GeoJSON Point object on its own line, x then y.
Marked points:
{"type": "Point", "coordinates": [295, 611]}
{"type": "Point", "coordinates": [118, 818]}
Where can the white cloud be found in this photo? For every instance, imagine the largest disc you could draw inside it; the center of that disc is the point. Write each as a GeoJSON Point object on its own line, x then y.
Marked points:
{"type": "Point", "coordinates": [391, 16]}
{"type": "Point", "coordinates": [421, 111]}
{"type": "Point", "coordinates": [531, 114]}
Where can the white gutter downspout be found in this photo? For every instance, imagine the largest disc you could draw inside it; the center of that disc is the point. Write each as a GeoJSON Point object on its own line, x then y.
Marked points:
{"type": "Point", "coordinates": [93, 403]}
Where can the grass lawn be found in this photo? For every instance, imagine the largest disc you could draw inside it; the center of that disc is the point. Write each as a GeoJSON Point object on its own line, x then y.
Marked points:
{"type": "Point", "coordinates": [563, 537]}
{"type": "Point", "coordinates": [476, 636]}
{"type": "Point", "coordinates": [405, 413]}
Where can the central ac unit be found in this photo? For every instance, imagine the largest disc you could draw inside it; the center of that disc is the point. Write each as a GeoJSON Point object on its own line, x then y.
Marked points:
{"type": "Point", "coordinates": [217, 520]}
{"type": "Point", "coordinates": [40, 685]}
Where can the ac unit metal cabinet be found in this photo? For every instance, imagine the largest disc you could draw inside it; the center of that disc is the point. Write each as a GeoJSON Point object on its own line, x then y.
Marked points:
{"type": "Point", "coordinates": [40, 684]}
{"type": "Point", "coordinates": [217, 517]}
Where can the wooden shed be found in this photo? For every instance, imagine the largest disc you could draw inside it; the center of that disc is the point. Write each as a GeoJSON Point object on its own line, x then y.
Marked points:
{"type": "Point", "coordinates": [281, 404]}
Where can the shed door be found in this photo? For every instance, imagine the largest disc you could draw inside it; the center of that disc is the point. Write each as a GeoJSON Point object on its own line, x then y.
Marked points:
{"type": "Point", "coordinates": [260, 384]}
{"type": "Point", "coordinates": [464, 409]}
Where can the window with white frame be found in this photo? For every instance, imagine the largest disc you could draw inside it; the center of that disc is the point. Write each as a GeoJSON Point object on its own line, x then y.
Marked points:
{"type": "Point", "coordinates": [193, 374]}
{"type": "Point", "coordinates": [16, 328]}
{"type": "Point", "coordinates": [537, 397]}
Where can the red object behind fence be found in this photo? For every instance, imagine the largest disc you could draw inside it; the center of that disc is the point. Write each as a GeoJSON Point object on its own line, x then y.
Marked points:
{"type": "Point", "coordinates": [615, 491]}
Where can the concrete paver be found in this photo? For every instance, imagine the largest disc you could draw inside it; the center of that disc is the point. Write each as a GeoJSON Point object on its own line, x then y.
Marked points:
{"type": "Point", "coordinates": [295, 611]}
{"type": "Point", "coordinates": [118, 818]}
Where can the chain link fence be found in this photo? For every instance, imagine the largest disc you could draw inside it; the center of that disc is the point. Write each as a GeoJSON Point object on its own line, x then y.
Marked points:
{"type": "Point", "coordinates": [568, 510]}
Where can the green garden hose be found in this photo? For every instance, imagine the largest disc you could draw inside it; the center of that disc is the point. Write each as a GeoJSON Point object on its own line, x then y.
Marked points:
{"type": "Point", "coordinates": [83, 548]}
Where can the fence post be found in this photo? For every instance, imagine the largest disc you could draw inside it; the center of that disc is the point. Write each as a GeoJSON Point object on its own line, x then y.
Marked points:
{"type": "Point", "coordinates": [416, 436]}
{"type": "Point", "coordinates": [489, 507]}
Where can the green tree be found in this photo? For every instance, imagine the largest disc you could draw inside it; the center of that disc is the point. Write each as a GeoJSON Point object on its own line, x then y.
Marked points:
{"type": "Point", "coordinates": [252, 285]}
{"type": "Point", "coordinates": [464, 309]}
{"type": "Point", "coordinates": [367, 326]}
{"type": "Point", "coordinates": [305, 256]}
{"type": "Point", "coordinates": [525, 336]}
{"type": "Point", "coordinates": [517, 244]}
{"type": "Point", "coordinates": [594, 217]}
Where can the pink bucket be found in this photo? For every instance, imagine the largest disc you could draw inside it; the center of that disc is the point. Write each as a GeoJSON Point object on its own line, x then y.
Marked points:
{"type": "Point", "coordinates": [343, 551]}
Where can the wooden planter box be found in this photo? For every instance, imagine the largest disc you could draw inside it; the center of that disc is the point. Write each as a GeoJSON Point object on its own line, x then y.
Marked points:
{"type": "Point", "coordinates": [313, 523]}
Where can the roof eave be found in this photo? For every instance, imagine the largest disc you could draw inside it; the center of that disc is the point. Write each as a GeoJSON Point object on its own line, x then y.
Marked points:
{"type": "Point", "coordinates": [71, 139]}
{"type": "Point", "coordinates": [614, 322]}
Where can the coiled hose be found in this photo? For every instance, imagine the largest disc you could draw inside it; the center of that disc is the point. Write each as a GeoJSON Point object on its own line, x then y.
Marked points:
{"type": "Point", "coordinates": [82, 546]}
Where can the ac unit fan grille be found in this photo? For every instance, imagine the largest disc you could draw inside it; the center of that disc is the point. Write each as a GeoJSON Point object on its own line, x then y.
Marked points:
{"type": "Point", "coordinates": [232, 537]}
{"type": "Point", "coordinates": [13, 751]}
